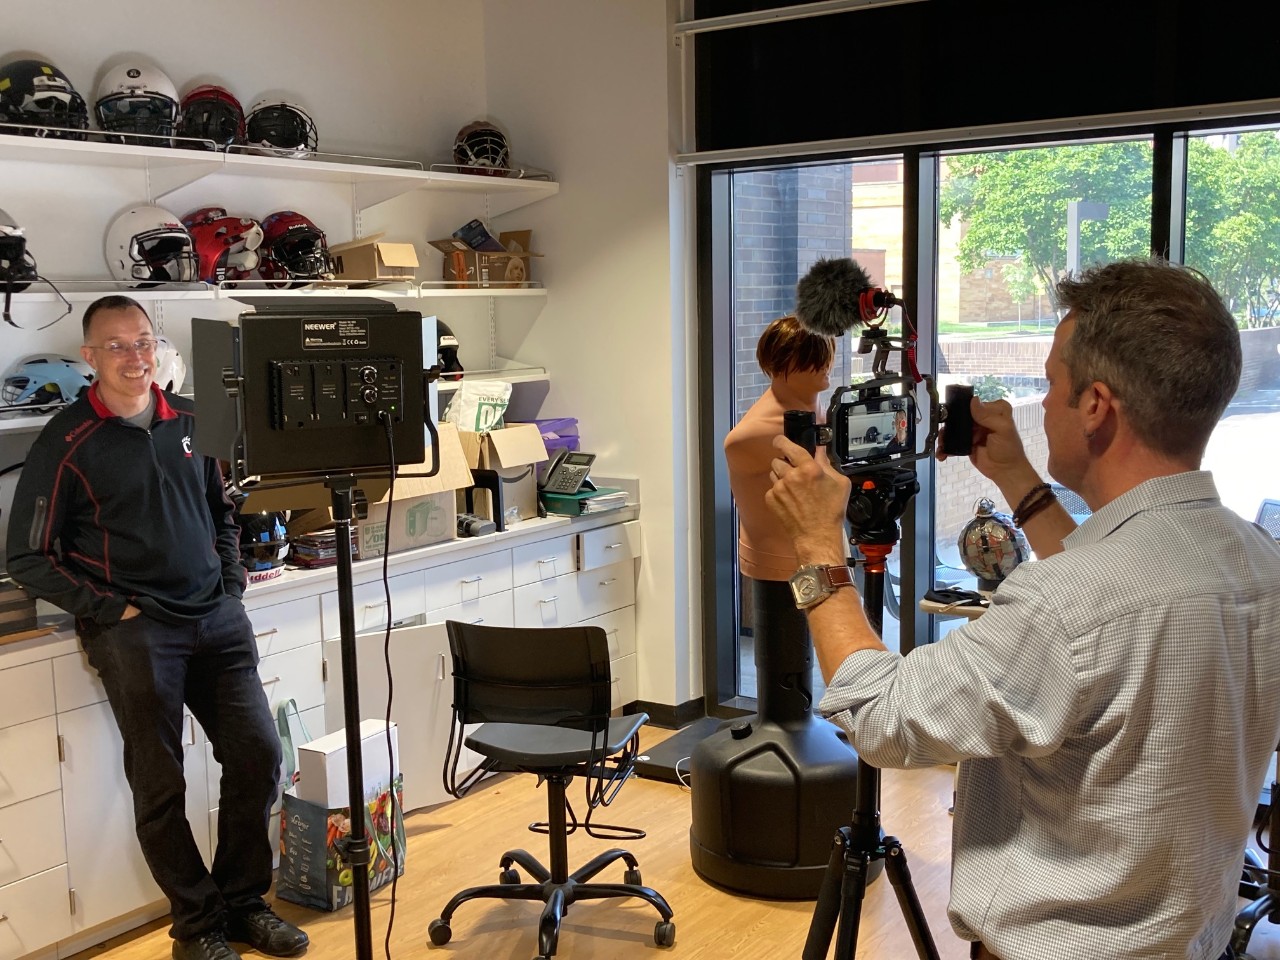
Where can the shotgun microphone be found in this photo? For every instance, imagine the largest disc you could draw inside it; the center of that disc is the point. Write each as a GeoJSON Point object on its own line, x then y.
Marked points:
{"type": "Point", "coordinates": [838, 295]}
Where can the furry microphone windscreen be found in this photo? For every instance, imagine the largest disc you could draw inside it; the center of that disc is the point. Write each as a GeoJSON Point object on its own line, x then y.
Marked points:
{"type": "Point", "coordinates": [827, 297]}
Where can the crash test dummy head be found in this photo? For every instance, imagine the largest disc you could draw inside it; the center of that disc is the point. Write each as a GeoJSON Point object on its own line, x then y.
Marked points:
{"type": "Point", "coordinates": [798, 364]}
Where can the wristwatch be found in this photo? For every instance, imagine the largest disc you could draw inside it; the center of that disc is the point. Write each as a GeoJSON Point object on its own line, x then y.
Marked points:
{"type": "Point", "coordinates": [813, 583]}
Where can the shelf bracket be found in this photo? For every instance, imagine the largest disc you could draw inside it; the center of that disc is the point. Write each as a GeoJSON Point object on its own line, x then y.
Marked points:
{"type": "Point", "coordinates": [170, 175]}
{"type": "Point", "coordinates": [370, 193]}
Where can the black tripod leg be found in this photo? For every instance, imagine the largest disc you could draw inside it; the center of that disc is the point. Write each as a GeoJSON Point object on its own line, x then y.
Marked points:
{"type": "Point", "coordinates": [895, 865]}
{"type": "Point", "coordinates": [823, 924]}
{"type": "Point", "coordinates": [852, 892]}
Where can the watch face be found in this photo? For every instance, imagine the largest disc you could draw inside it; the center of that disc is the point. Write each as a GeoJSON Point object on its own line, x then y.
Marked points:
{"type": "Point", "coordinates": [805, 588]}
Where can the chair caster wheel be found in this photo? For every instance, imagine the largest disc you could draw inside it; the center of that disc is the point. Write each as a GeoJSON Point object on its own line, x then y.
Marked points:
{"type": "Point", "coordinates": [509, 877]}
{"type": "Point", "coordinates": [439, 932]}
{"type": "Point", "coordinates": [664, 933]}
{"type": "Point", "coordinates": [632, 877]}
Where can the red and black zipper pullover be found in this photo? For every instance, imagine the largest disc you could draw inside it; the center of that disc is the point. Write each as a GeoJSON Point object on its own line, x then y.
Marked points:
{"type": "Point", "coordinates": [108, 514]}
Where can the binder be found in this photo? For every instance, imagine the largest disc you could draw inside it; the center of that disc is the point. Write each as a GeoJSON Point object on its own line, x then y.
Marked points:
{"type": "Point", "coordinates": [584, 501]}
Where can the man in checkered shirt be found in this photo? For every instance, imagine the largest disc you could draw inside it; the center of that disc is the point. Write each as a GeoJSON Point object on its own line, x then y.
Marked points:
{"type": "Point", "coordinates": [1114, 711]}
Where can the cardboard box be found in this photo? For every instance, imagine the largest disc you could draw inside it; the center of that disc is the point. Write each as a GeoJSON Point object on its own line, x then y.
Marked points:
{"type": "Point", "coordinates": [513, 453]}
{"type": "Point", "coordinates": [425, 508]}
{"type": "Point", "coordinates": [322, 765]}
{"type": "Point", "coordinates": [466, 267]}
{"type": "Point", "coordinates": [372, 258]}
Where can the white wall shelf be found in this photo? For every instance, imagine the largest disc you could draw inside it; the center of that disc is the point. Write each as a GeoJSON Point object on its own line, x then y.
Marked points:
{"type": "Point", "coordinates": [25, 423]}
{"type": "Point", "coordinates": [85, 291]}
{"type": "Point", "coordinates": [169, 169]}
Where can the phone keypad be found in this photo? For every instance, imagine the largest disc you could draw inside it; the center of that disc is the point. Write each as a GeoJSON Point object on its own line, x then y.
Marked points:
{"type": "Point", "coordinates": [567, 479]}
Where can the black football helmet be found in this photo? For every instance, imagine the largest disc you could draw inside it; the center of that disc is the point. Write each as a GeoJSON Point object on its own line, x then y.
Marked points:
{"type": "Point", "coordinates": [447, 350]}
{"type": "Point", "coordinates": [38, 97]}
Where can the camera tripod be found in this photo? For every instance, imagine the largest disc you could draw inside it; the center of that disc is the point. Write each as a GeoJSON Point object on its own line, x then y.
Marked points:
{"type": "Point", "coordinates": [875, 505]}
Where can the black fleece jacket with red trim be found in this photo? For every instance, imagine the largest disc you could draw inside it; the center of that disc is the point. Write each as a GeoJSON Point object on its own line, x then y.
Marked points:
{"type": "Point", "coordinates": [108, 514]}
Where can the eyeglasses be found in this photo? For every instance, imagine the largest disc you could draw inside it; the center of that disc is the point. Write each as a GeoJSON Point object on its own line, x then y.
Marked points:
{"type": "Point", "coordinates": [146, 346]}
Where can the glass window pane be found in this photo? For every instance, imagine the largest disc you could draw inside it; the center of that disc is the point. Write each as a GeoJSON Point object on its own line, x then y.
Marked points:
{"type": "Point", "coordinates": [1233, 238]}
{"type": "Point", "coordinates": [1012, 223]}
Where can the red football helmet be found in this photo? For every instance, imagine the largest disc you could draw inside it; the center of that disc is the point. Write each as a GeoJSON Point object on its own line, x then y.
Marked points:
{"type": "Point", "coordinates": [293, 248]}
{"type": "Point", "coordinates": [226, 246]}
{"type": "Point", "coordinates": [210, 112]}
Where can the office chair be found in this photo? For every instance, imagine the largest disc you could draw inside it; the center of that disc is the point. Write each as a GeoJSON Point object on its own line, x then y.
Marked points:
{"type": "Point", "coordinates": [542, 699]}
{"type": "Point", "coordinates": [1269, 517]}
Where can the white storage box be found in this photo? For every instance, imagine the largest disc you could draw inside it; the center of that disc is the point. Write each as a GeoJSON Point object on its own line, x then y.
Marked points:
{"type": "Point", "coordinates": [322, 764]}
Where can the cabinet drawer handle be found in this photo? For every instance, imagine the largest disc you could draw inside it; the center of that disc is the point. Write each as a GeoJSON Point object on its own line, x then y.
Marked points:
{"type": "Point", "coordinates": [476, 620]}
{"type": "Point", "coordinates": [549, 599]}
{"type": "Point", "coordinates": [440, 668]}
{"type": "Point", "coordinates": [267, 683]}
{"type": "Point", "coordinates": [266, 633]}
{"type": "Point", "coordinates": [374, 606]}
{"type": "Point", "coordinates": [473, 580]}
{"type": "Point", "coordinates": [613, 546]}
{"type": "Point", "coordinates": [191, 727]}
{"type": "Point", "coordinates": [3, 917]}
{"type": "Point", "coordinates": [605, 583]}
{"type": "Point", "coordinates": [548, 560]}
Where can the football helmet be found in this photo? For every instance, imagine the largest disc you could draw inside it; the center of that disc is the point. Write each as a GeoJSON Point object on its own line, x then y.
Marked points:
{"type": "Point", "coordinates": [278, 129]}
{"type": "Point", "coordinates": [38, 95]}
{"type": "Point", "coordinates": [137, 98]}
{"type": "Point", "coordinates": [42, 381]}
{"type": "Point", "coordinates": [225, 246]}
{"type": "Point", "coordinates": [210, 112]}
{"type": "Point", "coordinates": [447, 352]}
{"type": "Point", "coordinates": [17, 267]}
{"type": "Point", "coordinates": [264, 542]}
{"type": "Point", "coordinates": [150, 244]}
{"type": "Point", "coordinates": [293, 248]}
{"type": "Point", "coordinates": [481, 148]}
{"type": "Point", "coordinates": [171, 369]}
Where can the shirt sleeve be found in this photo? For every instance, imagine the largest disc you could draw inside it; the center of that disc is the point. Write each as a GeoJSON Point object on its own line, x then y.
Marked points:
{"type": "Point", "coordinates": [226, 530]}
{"type": "Point", "coordinates": [34, 545]}
{"type": "Point", "coordinates": [1004, 683]}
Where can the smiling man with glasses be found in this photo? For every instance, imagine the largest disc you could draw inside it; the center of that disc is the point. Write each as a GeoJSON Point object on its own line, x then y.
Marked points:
{"type": "Point", "coordinates": [118, 521]}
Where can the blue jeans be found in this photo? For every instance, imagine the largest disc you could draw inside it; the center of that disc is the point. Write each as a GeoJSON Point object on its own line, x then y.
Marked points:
{"type": "Point", "coordinates": [150, 669]}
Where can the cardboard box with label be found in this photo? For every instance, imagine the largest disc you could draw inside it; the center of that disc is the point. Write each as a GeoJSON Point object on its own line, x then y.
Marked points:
{"type": "Point", "coordinates": [372, 258]}
{"type": "Point", "coordinates": [425, 509]}
{"type": "Point", "coordinates": [467, 267]}
{"type": "Point", "coordinates": [513, 453]}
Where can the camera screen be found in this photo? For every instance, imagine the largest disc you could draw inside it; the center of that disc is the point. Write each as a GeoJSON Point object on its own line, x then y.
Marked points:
{"type": "Point", "coordinates": [879, 427]}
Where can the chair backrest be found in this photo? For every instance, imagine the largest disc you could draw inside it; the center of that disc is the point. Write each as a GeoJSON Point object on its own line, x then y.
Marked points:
{"type": "Point", "coordinates": [1269, 517]}
{"type": "Point", "coordinates": [557, 676]}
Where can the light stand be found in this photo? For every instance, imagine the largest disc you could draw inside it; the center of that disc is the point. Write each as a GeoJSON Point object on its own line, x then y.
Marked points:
{"type": "Point", "coordinates": [356, 848]}
{"type": "Point", "coordinates": [877, 502]}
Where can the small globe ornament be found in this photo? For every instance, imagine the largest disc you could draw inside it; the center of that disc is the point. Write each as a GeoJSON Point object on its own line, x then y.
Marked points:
{"type": "Point", "coordinates": [991, 546]}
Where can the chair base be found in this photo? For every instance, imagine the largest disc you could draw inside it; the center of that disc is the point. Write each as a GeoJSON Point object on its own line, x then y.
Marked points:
{"type": "Point", "coordinates": [558, 896]}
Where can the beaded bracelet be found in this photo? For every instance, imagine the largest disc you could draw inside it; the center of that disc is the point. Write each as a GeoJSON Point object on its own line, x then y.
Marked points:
{"type": "Point", "coordinates": [1020, 519]}
{"type": "Point", "coordinates": [1031, 495]}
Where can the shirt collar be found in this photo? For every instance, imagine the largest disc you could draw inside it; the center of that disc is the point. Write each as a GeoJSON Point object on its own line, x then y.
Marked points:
{"type": "Point", "coordinates": [1158, 492]}
{"type": "Point", "coordinates": [163, 410]}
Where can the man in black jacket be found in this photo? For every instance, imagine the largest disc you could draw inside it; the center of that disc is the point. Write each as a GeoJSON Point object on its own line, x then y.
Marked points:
{"type": "Point", "coordinates": [117, 520]}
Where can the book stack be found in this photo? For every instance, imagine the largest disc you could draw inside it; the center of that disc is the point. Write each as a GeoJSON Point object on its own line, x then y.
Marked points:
{"type": "Point", "coordinates": [318, 549]}
{"type": "Point", "coordinates": [584, 502]}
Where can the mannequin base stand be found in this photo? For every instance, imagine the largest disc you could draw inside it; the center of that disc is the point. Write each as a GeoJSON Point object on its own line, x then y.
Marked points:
{"type": "Point", "coordinates": [767, 790]}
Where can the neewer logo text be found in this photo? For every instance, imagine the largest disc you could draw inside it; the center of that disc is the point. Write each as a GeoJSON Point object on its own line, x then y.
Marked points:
{"type": "Point", "coordinates": [320, 326]}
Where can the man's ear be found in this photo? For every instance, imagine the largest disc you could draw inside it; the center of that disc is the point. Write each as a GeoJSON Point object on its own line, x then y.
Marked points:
{"type": "Point", "coordinates": [1097, 402]}
{"type": "Point", "coordinates": [86, 354]}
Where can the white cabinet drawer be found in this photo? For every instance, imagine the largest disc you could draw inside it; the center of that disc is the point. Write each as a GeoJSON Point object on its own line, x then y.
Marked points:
{"type": "Point", "coordinates": [294, 675]}
{"type": "Point", "coordinates": [369, 602]}
{"type": "Point", "coordinates": [620, 628]}
{"type": "Point", "coordinates": [75, 683]}
{"type": "Point", "coordinates": [31, 837]}
{"type": "Point", "coordinates": [26, 693]}
{"type": "Point", "coordinates": [29, 760]}
{"type": "Point", "coordinates": [545, 560]}
{"type": "Point", "coordinates": [553, 603]}
{"type": "Point", "coordinates": [285, 626]}
{"type": "Point", "coordinates": [38, 913]}
{"type": "Point", "coordinates": [606, 545]}
{"type": "Point", "coordinates": [622, 674]}
{"type": "Point", "coordinates": [495, 611]}
{"type": "Point", "coordinates": [471, 579]}
{"type": "Point", "coordinates": [606, 588]}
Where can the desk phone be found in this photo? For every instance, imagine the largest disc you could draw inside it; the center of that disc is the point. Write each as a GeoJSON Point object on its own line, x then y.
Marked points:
{"type": "Point", "coordinates": [568, 472]}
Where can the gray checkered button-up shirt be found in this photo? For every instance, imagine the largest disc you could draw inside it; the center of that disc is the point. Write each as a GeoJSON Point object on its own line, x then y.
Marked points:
{"type": "Point", "coordinates": [1115, 710]}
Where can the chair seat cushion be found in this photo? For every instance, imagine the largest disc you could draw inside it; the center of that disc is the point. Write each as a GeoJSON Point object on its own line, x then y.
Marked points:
{"type": "Point", "coordinates": [531, 746]}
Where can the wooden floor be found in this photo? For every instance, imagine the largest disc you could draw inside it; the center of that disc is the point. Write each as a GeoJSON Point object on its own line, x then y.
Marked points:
{"type": "Point", "coordinates": [458, 845]}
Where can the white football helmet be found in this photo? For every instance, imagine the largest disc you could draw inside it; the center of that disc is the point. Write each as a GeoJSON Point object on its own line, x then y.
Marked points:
{"type": "Point", "coordinates": [171, 369]}
{"type": "Point", "coordinates": [137, 98]}
{"type": "Point", "coordinates": [278, 129]}
{"type": "Point", "coordinates": [150, 244]}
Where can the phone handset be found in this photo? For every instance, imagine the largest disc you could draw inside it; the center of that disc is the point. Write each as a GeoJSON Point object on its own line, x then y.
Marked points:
{"type": "Point", "coordinates": [567, 472]}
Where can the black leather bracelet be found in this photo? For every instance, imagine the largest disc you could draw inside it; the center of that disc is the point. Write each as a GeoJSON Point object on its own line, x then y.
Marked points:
{"type": "Point", "coordinates": [1020, 519]}
{"type": "Point", "coordinates": [1026, 501]}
